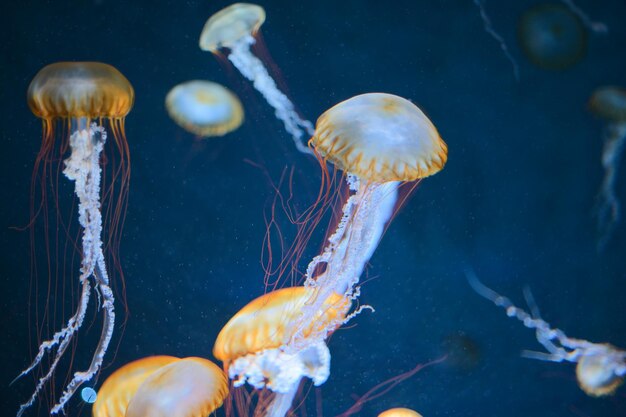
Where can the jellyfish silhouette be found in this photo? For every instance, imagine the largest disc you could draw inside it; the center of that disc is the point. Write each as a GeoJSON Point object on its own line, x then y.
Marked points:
{"type": "Point", "coordinates": [600, 367]}
{"type": "Point", "coordinates": [160, 386]}
{"type": "Point", "coordinates": [234, 28]}
{"type": "Point", "coordinates": [204, 108]}
{"type": "Point", "coordinates": [552, 36]}
{"type": "Point", "coordinates": [84, 97]}
{"type": "Point", "coordinates": [609, 103]}
{"type": "Point", "coordinates": [252, 346]}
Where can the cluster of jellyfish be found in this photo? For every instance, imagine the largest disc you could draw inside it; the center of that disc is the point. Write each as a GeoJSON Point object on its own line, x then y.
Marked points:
{"type": "Point", "coordinates": [378, 141]}
{"type": "Point", "coordinates": [275, 342]}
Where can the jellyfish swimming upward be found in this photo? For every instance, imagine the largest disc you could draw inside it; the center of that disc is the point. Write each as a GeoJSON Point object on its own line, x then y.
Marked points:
{"type": "Point", "coordinates": [86, 101]}
{"type": "Point", "coordinates": [234, 28]}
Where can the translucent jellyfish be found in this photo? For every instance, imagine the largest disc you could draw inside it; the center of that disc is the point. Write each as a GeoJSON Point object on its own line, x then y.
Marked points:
{"type": "Point", "coordinates": [83, 97]}
{"type": "Point", "coordinates": [163, 386]}
{"type": "Point", "coordinates": [609, 103]}
{"type": "Point", "coordinates": [252, 345]}
{"type": "Point", "coordinates": [399, 412]}
{"type": "Point", "coordinates": [204, 108]}
{"type": "Point", "coordinates": [600, 367]}
{"type": "Point", "coordinates": [235, 27]}
{"type": "Point", "coordinates": [552, 36]}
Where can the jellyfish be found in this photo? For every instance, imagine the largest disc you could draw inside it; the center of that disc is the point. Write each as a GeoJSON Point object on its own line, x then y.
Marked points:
{"type": "Point", "coordinates": [399, 412]}
{"type": "Point", "coordinates": [379, 140]}
{"type": "Point", "coordinates": [235, 27]}
{"type": "Point", "coordinates": [609, 103]}
{"type": "Point", "coordinates": [204, 108]}
{"type": "Point", "coordinates": [600, 367]}
{"type": "Point", "coordinates": [252, 345]}
{"type": "Point", "coordinates": [122, 385]}
{"type": "Point", "coordinates": [552, 36]}
{"type": "Point", "coordinates": [162, 386]}
{"type": "Point", "coordinates": [84, 97]}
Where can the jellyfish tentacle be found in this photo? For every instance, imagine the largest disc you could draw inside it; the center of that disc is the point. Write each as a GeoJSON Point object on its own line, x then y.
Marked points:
{"type": "Point", "coordinates": [83, 167]}
{"type": "Point", "coordinates": [252, 68]}
{"type": "Point", "coordinates": [595, 26]}
{"type": "Point", "coordinates": [608, 209]}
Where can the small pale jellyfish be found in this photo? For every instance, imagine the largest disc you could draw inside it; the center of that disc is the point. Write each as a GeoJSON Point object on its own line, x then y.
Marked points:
{"type": "Point", "coordinates": [399, 412]}
{"type": "Point", "coordinates": [84, 97]}
{"type": "Point", "coordinates": [252, 345]}
{"type": "Point", "coordinates": [600, 368]}
{"type": "Point", "coordinates": [204, 108]}
{"type": "Point", "coordinates": [552, 36]}
{"type": "Point", "coordinates": [234, 28]}
{"type": "Point", "coordinates": [163, 386]}
{"type": "Point", "coordinates": [609, 103]}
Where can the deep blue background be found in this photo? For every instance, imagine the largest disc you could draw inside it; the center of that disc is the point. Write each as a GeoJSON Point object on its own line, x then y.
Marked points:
{"type": "Point", "coordinates": [514, 202]}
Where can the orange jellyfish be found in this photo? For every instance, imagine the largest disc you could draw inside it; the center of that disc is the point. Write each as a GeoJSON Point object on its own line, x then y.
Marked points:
{"type": "Point", "coordinates": [235, 27]}
{"type": "Point", "coordinates": [600, 368]}
{"type": "Point", "coordinates": [254, 345]}
{"type": "Point", "coordinates": [379, 140]}
{"type": "Point", "coordinates": [204, 108]}
{"type": "Point", "coordinates": [85, 98]}
{"type": "Point", "coordinates": [163, 386]}
{"type": "Point", "coordinates": [609, 103]}
{"type": "Point", "coordinates": [399, 412]}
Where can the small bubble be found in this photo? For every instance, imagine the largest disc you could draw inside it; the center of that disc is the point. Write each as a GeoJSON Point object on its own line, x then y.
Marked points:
{"type": "Point", "coordinates": [88, 395]}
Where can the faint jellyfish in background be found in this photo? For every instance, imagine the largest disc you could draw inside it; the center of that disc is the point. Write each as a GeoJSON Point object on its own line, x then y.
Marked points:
{"type": "Point", "coordinates": [462, 352]}
{"type": "Point", "coordinates": [552, 36]}
{"type": "Point", "coordinates": [234, 28]}
{"type": "Point", "coordinates": [600, 368]}
{"type": "Point", "coordinates": [251, 347]}
{"type": "Point", "coordinates": [204, 108]}
{"type": "Point", "coordinates": [159, 386]}
{"type": "Point", "coordinates": [609, 103]}
{"type": "Point", "coordinates": [84, 98]}
{"type": "Point", "coordinates": [399, 412]}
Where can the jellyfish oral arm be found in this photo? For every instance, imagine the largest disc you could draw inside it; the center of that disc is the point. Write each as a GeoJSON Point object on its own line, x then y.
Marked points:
{"type": "Point", "coordinates": [252, 68]}
{"type": "Point", "coordinates": [365, 215]}
{"type": "Point", "coordinates": [560, 347]}
{"type": "Point", "coordinates": [83, 167]}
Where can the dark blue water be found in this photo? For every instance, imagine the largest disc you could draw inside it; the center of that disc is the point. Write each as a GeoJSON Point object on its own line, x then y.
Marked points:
{"type": "Point", "coordinates": [514, 201]}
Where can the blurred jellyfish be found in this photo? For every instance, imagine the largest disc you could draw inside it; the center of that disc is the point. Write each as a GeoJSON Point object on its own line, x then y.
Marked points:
{"type": "Point", "coordinates": [252, 345]}
{"type": "Point", "coordinates": [399, 412]}
{"type": "Point", "coordinates": [190, 387]}
{"type": "Point", "coordinates": [462, 352]}
{"type": "Point", "coordinates": [609, 103]}
{"type": "Point", "coordinates": [118, 389]}
{"type": "Point", "coordinates": [162, 386]}
{"type": "Point", "coordinates": [379, 140]}
{"type": "Point", "coordinates": [204, 108]}
{"type": "Point", "coordinates": [235, 27]}
{"type": "Point", "coordinates": [83, 96]}
{"type": "Point", "coordinates": [600, 368]}
{"type": "Point", "coordinates": [552, 36]}
{"type": "Point", "coordinates": [89, 395]}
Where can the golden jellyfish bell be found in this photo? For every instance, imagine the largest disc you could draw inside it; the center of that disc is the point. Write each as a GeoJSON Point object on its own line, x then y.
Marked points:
{"type": "Point", "coordinates": [380, 137]}
{"type": "Point", "coordinates": [264, 323]}
{"type": "Point", "coordinates": [121, 385]}
{"type": "Point", "coordinates": [80, 89]}
{"type": "Point", "coordinates": [190, 387]}
{"type": "Point", "coordinates": [399, 412]}
{"type": "Point", "coordinates": [609, 103]}
{"type": "Point", "coordinates": [204, 108]}
{"type": "Point", "coordinates": [596, 376]}
{"type": "Point", "coordinates": [230, 24]}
